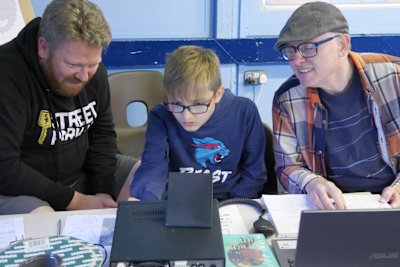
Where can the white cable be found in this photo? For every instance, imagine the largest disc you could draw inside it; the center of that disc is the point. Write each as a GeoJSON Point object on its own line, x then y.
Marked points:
{"type": "Point", "coordinates": [259, 95]}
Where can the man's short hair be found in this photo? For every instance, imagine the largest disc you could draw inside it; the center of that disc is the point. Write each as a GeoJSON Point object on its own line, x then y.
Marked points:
{"type": "Point", "coordinates": [75, 20]}
{"type": "Point", "coordinates": [191, 71]}
{"type": "Point", "coordinates": [312, 20]}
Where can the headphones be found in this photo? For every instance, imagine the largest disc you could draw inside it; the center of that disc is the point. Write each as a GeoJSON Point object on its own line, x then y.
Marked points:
{"type": "Point", "coordinates": [261, 225]}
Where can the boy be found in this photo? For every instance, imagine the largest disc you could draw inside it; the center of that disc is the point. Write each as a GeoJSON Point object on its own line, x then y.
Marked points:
{"type": "Point", "coordinates": [191, 133]}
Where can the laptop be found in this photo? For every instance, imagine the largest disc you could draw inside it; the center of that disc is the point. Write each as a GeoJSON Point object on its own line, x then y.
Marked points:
{"type": "Point", "coordinates": [345, 238]}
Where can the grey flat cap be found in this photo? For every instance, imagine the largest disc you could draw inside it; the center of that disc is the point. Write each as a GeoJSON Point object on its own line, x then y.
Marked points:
{"type": "Point", "coordinates": [311, 20]}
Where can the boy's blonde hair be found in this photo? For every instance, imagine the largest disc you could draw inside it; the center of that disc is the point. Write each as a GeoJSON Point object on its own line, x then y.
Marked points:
{"type": "Point", "coordinates": [190, 72]}
{"type": "Point", "coordinates": [72, 20]}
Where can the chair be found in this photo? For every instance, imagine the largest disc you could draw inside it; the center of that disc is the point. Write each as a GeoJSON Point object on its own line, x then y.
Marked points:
{"type": "Point", "coordinates": [271, 186]}
{"type": "Point", "coordinates": [127, 87]}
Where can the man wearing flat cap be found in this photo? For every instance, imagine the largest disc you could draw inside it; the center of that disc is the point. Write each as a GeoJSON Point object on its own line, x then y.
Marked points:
{"type": "Point", "coordinates": [337, 119]}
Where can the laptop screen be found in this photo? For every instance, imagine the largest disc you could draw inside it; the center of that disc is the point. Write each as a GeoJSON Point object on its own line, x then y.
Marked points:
{"type": "Point", "coordinates": [349, 238]}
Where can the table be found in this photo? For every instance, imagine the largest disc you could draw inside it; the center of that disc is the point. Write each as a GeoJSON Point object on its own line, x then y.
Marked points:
{"type": "Point", "coordinates": [46, 224]}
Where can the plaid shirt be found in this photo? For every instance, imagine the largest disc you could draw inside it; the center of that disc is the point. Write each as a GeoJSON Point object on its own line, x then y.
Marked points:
{"type": "Point", "coordinates": [300, 121]}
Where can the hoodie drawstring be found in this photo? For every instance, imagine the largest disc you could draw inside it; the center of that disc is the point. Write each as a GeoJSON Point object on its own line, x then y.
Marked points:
{"type": "Point", "coordinates": [57, 133]}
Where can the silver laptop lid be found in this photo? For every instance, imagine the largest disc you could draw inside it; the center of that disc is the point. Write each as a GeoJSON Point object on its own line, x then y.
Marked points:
{"type": "Point", "coordinates": [352, 238]}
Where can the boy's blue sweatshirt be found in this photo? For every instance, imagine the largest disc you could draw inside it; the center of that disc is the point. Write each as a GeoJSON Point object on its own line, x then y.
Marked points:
{"type": "Point", "coordinates": [230, 145]}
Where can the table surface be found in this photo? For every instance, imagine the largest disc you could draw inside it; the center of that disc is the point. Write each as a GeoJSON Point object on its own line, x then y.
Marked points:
{"type": "Point", "coordinates": [46, 224]}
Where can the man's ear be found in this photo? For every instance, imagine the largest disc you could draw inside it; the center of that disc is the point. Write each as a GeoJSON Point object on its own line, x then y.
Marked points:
{"type": "Point", "coordinates": [43, 48]}
{"type": "Point", "coordinates": [344, 44]}
{"type": "Point", "coordinates": [219, 93]}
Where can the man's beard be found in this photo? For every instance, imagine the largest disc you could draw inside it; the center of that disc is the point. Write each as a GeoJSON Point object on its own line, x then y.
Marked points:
{"type": "Point", "coordinates": [61, 87]}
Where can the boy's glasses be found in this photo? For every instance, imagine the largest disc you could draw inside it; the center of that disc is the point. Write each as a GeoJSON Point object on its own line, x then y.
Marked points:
{"type": "Point", "coordinates": [306, 50]}
{"type": "Point", "coordinates": [194, 109]}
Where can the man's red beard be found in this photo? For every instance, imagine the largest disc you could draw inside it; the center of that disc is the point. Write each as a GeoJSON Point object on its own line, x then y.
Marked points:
{"type": "Point", "coordinates": [68, 87]}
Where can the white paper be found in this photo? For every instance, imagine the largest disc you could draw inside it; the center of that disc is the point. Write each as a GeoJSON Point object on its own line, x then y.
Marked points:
{"type": "Point", "coordinates": [11, 229]}
{"type": "Point", "coordinates": [285, 210]}
{"type": "Point", "coordinates": [231, 221]}
{"type": "Point", "coordinates": [361, 201]}
{"type": "Point", "coordinates": [95, 229]}
{"type": "Point", "coordinates": [91, 228]}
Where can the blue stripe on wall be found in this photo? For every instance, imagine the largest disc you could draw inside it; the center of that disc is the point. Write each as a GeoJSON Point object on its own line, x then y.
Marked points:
{"type": "Point", "coordinates": [137, 53]}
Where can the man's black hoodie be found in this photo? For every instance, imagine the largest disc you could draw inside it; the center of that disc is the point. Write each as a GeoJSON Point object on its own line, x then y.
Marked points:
{"type": "Point", "coordinates": [39, 161]}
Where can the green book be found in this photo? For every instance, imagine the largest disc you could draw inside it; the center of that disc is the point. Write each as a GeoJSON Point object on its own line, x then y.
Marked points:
{"type": "Point", "coordinates": [244, 250]}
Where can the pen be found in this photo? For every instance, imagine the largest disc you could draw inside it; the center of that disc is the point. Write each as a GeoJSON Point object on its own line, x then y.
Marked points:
{"type": "Point", "coordinates": [59, 227]}
{"type": "Point", "coordinates": [396, 181]}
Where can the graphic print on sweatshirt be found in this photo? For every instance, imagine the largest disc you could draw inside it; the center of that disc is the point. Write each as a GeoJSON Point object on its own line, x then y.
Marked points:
{"type": "Point", "coordinates": [209, 150]}
{"type": "Point", "coordinates": [71, 124]}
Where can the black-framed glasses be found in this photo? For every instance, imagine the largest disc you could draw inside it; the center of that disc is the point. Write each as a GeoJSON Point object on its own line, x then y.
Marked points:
{"type": "Point", "coordinates": [194, 109]}
{"type": "Point", "coordinates": [306, 50]}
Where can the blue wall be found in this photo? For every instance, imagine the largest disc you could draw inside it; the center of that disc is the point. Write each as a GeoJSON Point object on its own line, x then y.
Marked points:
{"type": "Point", "coordinates": [242, 32]}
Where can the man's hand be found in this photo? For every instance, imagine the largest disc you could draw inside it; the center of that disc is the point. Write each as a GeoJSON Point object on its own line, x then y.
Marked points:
{"type": "Point", "coordinates": [99, 201]}
{"type": "Point", "coordinates": [390, 195]}
{"type": "Point", "coordinates": [325, 194]}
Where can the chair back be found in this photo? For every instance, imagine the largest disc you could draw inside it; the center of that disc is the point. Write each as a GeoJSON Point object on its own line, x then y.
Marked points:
{"type": "Point", "coordinates": [271, 186]}
{"type": "Point", "coordinates": [144, 86]}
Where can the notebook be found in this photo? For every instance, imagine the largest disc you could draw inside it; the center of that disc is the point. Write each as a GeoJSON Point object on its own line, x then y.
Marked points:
{"type": "Point", "coordinates": [189, 202]}
{"type": "Point", "coordinates": [345, 238]}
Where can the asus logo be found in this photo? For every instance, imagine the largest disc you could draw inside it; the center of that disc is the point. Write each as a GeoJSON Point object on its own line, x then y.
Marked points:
{"type": "Point", "coordinates": [379, 256]}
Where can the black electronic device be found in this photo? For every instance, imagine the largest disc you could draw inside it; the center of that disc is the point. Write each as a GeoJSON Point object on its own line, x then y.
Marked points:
{"type": "Point", "coordinates": [261, 225]}
{"type": "Point", "coordinates": [189, 202]}
{"type": "Point", "coordinates": [141, 238]}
